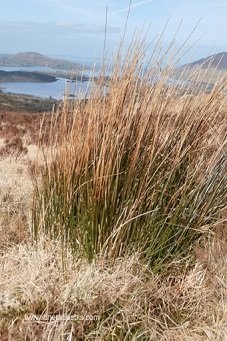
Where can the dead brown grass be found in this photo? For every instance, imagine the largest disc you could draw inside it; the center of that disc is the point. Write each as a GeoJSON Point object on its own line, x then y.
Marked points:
{"type": "Point", "coordinates": [18, 130]}
{"type": "Point", "coordinates": [15, 201]}
{"type": "Point", "coordinates": [141, 169]}
{"type": "Point", "coordinates": [43, 280]}
{"type": "Point", "coordinates": [130, 302]}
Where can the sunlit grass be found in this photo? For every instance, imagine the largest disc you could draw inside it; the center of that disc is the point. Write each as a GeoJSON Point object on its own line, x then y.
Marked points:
{"type": "Point", "coordinates": [142, 169]}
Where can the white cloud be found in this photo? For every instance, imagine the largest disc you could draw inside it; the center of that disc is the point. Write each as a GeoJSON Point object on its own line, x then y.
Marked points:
{"type": "Point", "coordinates": [61, 27]}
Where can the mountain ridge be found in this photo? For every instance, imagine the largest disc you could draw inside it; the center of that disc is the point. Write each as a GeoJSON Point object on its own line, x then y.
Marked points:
{"type": "Point", "coordinates": [209, 69]}
{"type": "Point", "coordinates": [217, 60]}
{"type": "Point", "coordinates": [27, 59]}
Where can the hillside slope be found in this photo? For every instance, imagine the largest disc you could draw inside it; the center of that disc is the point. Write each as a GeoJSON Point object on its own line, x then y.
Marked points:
{"type": "Point", "coordinates": [37, 59]}
{"type": "Point", "coordinates": [218, 61]}
{"type": "Point", "coordinates": [209, 69]}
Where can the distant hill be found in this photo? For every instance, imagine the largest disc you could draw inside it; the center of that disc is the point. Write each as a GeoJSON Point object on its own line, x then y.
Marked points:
{"type": "Point", "coordinates": [210, 69]}
{"type": "Point", "coordinates": [37, 59]}
{"type": "Point", "coordinates": [218, 61]}
{"type": "Point", "coordinates": [23, 76]}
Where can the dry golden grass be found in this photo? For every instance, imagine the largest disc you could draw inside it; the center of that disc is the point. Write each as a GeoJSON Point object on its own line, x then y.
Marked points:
{"type": "Point", "coordinates": [120, 297]}
{"type": "Point", "coordinates": [15, 200]}
{"type": "Point", "coordinates": [141, 169]}
{"type": "Point", "coordinates": [130, 302]}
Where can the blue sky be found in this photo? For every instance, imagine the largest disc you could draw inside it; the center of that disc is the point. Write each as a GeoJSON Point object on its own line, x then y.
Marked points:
{"type": "Point", "coordinates": [76, 27]}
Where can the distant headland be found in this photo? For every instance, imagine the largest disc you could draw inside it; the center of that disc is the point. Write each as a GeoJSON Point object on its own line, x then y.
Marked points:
{"type": "Point", "coordinates": [26, 59]}
{"type": "Point", "coordinates": [24, 76]}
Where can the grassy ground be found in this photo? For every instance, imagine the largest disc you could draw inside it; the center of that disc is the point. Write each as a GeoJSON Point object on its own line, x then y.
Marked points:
{"type": "Point", "coordinates": [25, 103]}
{"type": "Point", "coordinates": [130, 302]}
{"type": "Point", "coordinates": [94, 165]}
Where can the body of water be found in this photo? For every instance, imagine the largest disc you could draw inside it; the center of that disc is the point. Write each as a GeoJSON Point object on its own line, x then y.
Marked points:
{"type": "Point", "coordinates": [26, 68]}
{"type": "Point", "coordinates": [55, 90]}
{"type": "Point", "coordinates": [58, 88]}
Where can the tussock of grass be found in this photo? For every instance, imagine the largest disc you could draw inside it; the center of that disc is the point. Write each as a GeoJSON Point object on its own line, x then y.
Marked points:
{"type": "Point", "coordinates": [126, 184]}
{"type": "Point", "coordinates": [128, 173]}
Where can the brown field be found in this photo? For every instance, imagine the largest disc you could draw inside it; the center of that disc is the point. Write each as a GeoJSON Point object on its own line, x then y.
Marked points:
{"type": "Point", "coordinates": [19, 130]}
{"type": "Point", "coordinates": [25, 103]}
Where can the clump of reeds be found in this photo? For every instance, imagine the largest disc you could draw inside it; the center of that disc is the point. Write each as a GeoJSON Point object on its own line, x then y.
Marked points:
{"type": "Point", "coordinates": [140, 168]}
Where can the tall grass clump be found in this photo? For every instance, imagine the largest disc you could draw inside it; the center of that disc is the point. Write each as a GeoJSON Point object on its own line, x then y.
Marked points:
{"type": "Point", "coordinates": [141, 168]}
